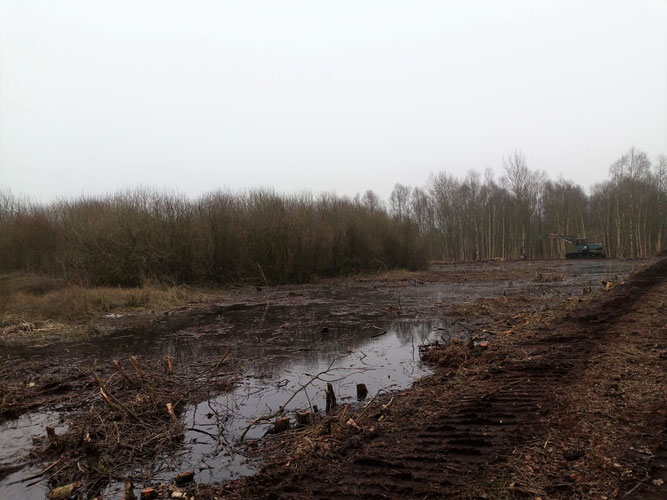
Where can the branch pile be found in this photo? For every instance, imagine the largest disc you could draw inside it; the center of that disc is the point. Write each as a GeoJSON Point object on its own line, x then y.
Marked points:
{"type": "Point", "coordinates": [132, 421]}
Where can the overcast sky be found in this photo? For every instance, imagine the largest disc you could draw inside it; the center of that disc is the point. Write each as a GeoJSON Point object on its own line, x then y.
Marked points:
{"type": "Point", "coordinates": [345, 96]}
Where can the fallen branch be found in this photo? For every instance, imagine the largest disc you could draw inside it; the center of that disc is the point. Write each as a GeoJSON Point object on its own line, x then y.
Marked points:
{"type": "Point", "coordinates": [35, 476]}
{"type": "Point", "coordinates": [282, 407]}
{"type": "Point", "coordinates": [379, 334]}
{"type": "Point", "coordinates": [122, 372]}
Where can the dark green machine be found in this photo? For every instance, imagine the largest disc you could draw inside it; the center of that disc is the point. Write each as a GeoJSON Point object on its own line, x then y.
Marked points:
{"type": "Point", "coordinates": [583, 249]}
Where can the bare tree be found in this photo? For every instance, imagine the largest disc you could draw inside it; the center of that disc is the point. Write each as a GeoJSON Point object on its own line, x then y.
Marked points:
{"type": "Point", "coordinates": [371, 201]}
{"type": "Point", "coordinates": [524, 185]}
{"type": "Point", "coordinates": [399, 199]}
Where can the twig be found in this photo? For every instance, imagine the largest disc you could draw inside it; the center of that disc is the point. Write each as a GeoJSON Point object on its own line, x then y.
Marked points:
{"type": "Point", "coordinates": [282, 407]}
{"type": "Point", "coordinates": [122, 372]}
{"type": "Point", "coordinates": [222, 359]}
{"type": "Point", "coordinates": [109, 398]}
{"type": "Point", "coordinates": [636, 486]}
{"type": "Point", "coordinates": [379, 334]}
{"type": "Point", "coordinates": [202, 431]}
{"type": "Point", "coordinates": [35, 476]}
{"type": "Point", "coordinates": [263, 276]}
{"type": "Point", "coordinates": [498, 389]}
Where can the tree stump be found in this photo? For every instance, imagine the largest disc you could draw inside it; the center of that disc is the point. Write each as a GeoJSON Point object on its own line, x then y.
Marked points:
{"type": "Point", "coordinates": [51, 433]}
{"type": "Point", "coordinates": [362, 391]}
{"type": "Point", "coordinates": [304, 418]}
{"type": "Point", "coordinates": [280, 425]}
{"type": "Point", "coordinates": [331, 398]}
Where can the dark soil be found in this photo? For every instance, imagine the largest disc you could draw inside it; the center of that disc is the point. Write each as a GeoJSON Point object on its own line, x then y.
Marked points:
{"type": "Point", "coordinates": [572, 406]}
{"type": "Point", "coordinates": [541, 392]}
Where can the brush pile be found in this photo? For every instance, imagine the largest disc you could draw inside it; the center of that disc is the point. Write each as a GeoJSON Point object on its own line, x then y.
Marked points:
{"type": "Point", "coordinates": [132, 420]}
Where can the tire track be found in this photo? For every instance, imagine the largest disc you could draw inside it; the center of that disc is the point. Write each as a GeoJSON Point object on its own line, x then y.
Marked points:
{"type": "Point", "coordinates": [462, 442]}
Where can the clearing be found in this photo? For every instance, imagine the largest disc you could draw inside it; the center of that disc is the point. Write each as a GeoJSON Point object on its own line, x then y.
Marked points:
{"type": "Point", "coordinates": [540, 379]}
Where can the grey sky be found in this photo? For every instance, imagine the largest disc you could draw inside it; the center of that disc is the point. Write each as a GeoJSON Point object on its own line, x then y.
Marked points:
{"type": "Point", "coordinates": [344, 96]}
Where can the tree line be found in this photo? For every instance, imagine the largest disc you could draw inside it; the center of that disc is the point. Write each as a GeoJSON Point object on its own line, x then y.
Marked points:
{"type": "Point", "coordinates": [224, 237]}
{"type": "Point", "coordinates": [259, 236]}
{"type": "Point", "coordinates": [477, 217]}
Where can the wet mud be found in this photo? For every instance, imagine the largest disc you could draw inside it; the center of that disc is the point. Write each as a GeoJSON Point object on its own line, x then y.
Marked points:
{"type": "Point", "coordinates": [366, 330]}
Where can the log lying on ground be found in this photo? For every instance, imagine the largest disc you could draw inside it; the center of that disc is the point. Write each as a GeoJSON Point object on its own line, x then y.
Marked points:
{"type": "Point", "coordinates": [184, 477]}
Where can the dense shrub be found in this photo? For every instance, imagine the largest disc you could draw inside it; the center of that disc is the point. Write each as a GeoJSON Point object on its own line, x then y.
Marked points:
{"type": "Point", "coordinates": [222, 237]}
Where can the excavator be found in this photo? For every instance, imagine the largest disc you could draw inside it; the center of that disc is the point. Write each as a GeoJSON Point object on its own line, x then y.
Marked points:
{"type": "Point", "coordinates": [583, 249]}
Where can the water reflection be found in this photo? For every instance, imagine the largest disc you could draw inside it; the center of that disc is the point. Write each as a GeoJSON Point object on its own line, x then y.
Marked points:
{"type": "Point", "coordinates": [383, 361]}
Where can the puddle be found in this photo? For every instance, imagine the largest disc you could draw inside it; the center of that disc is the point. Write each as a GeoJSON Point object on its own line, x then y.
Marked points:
{"type": "Point", "coordinates": [383, 361]}
{"type": "Point", "coordinates": [16, 437]}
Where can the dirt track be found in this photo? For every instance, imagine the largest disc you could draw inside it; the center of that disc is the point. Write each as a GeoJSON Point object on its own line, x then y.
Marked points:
{"type": "Point", "coordinates": [574, 408]}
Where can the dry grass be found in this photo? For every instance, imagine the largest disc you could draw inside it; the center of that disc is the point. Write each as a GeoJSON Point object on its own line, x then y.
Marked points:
{"type": "Point", "coordinates": [27, 299]}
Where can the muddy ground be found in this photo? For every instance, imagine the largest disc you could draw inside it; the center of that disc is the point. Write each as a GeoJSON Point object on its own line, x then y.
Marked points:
{"type": "Point", "coordinates": [540, 379]}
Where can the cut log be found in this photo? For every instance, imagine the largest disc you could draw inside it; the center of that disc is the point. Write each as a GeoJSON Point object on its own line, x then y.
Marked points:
{"type": "Point", "coordinates": [353, 424]}
{"type": "Point", "coordinates": [137, 366]}
{"type": "Point", "coordinates": [121, 371]}
{"type": "Point", "coordinates": [482, 345]}
{"type": "Point", "coordinates": [281, 424]}
{"type": "Point", "coordinates": [362, 391]}
{"type": "Point", "coordinates": [185, 477]}
{"type": "Point", "coordinates": [148, 494]}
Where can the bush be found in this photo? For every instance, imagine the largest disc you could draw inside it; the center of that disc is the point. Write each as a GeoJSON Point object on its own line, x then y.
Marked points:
{"type": "Point", "coordinates": [128, 238]}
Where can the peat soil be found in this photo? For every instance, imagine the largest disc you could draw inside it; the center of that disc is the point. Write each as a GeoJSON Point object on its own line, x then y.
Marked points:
{"type": "Point", "coordinates": [572, 407]}
{"type": "Point", "coordinates": [514, 352]}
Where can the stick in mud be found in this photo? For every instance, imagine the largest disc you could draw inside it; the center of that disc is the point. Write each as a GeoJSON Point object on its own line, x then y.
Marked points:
{"type": "Point", "coordinates": [136, 365]}
{"type": "Point", "coordinates": [178, 429]}
{"type": "Point", "coordinates": [331, 398]}
{"type": "Point", "coordinates": [170, 367]}
{"type": "Point", "coordinates": [122, 372]}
